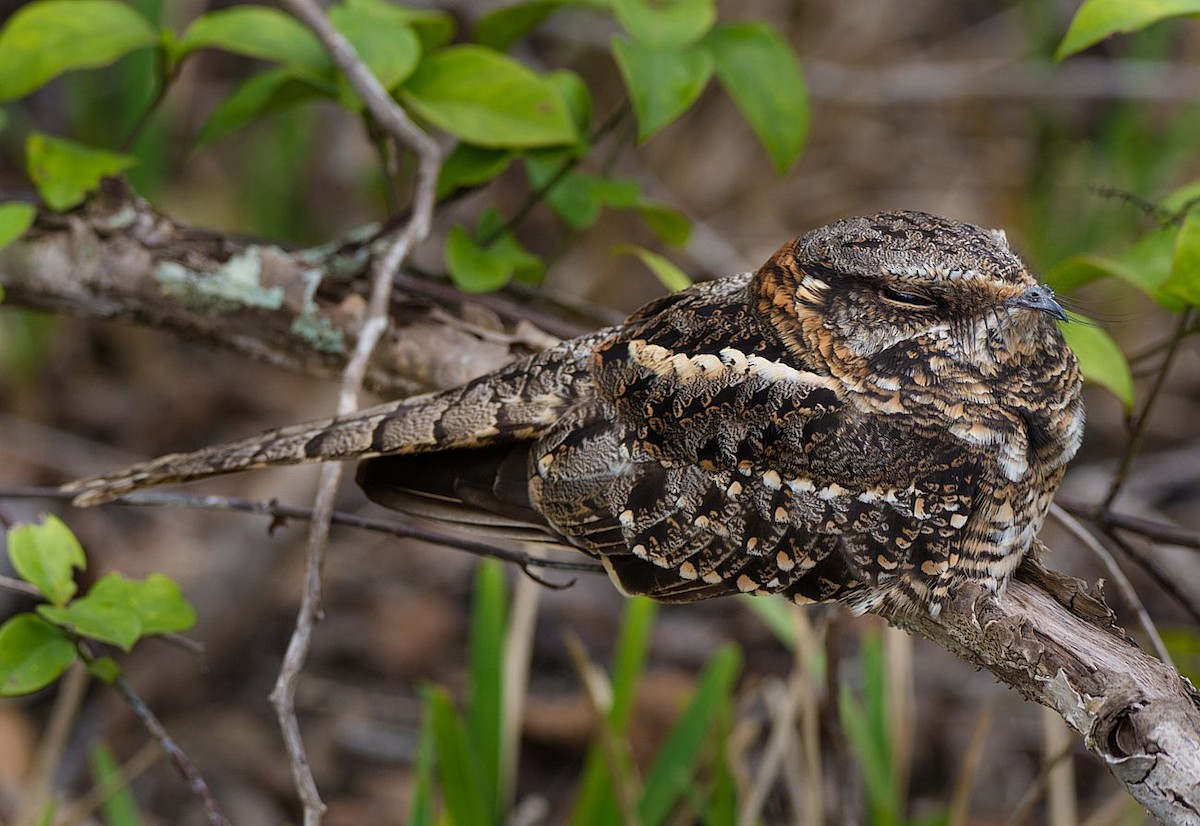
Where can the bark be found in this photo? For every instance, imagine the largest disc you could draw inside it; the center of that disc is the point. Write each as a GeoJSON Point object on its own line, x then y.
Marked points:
{"type": "Point", "coordinates": [119, 259]}
{"type": "Point", "coordinates": [1059, 645]}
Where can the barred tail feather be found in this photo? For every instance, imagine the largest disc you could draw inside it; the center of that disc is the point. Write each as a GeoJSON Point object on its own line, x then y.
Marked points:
{"type": "Point", "coordinates": [514, 404]}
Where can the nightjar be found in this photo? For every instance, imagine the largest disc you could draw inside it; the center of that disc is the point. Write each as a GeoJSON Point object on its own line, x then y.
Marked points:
{"type": "Point", "coordinates": [880, 413]}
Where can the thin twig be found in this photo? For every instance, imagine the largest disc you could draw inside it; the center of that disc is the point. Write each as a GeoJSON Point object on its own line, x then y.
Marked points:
{"type": "Point", "coordinates": [280, 512]}
{"type": "Point", "coordinates": [1089, 541]}
{"type": "Point", "coordinates": [1165, 579]}
{"type": "Point", "coordinates": [393, 120]}
{"type": "Point", "coordinates": [1162, 532]}
{"type": "Point", "coordinates": [19, 586]}
{"type": "Point", "coordinates": [1137, 427]}
{"type": "Point", "coordinates": [182, 763]}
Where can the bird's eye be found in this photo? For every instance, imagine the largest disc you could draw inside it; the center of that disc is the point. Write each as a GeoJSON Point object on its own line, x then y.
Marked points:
{"type": "Point", "coordinates": [906, 299]}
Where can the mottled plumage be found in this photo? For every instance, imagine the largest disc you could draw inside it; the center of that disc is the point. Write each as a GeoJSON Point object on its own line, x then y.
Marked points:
{"type": "Point", "coordinates": [879, 413]}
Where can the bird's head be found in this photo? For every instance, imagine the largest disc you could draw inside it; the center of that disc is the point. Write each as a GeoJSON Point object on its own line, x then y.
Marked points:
{"type": "Point", "coordinates": [909, 295]}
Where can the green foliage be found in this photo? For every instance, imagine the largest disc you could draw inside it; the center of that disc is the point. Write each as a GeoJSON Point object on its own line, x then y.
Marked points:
{"type": "Point", "coordinates": [671, 774]}
{"type": "Point", "coordinates": [47, 556]}
{"type": "Point", "coordinates": [747, 53]}
{"type": "Point", "coordinates": [663, 81]}
{"type": "Point", "coordinates": [488, 99]}
{"type": "Point", "coordinates": [1098, 19]}
{"type": "Point", "coordinates": [483, 266]}
{"type": "Point", "coordinates": [15, 218]}
{"type": "Point", "coordinates": [255, 31]}
{"type": "Point", "coordinates": [1184, 280]}
{"type": "Point", "coordinates": [668, 24]}
{"type": "Point", "coordinates": [33, 653]}
{"type": "Point", "coordinates": [66, 172]}
{"type": "Point", "coordinates": [45, 39]}
{"type": "Point", "coordinates": [460, 755]}
{"type": "Point", "coordinates": [485, 699]}
{"type": "Point", "coordinates": [500, 28]}
{"type": "Point", "coordinates": [264, 93]}
{"type": "Point", "coordinates": [119, 807]}
{"type": "Point", "coordinates": [498, 108]}
{"type": "Point", "coordinates": [668, 274]}
{"type": "Point", "coordinates": [34, 650]}
{"type": "Point", "coordinates": [1100, 359]}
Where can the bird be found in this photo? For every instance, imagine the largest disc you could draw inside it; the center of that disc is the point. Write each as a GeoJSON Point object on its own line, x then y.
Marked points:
{"type": "Point", "coordinates": [878, 416]}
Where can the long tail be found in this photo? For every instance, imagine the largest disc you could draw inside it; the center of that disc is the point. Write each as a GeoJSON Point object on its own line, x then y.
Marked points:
{"type": "Point", "coordinates": [515, 403]}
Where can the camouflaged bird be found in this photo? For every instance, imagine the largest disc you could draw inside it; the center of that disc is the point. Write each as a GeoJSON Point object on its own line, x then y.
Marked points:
{"type": "Point", "coordinates": [880, 413]}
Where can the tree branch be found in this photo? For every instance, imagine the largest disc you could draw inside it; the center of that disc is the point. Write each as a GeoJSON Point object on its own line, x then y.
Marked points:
{"type": "Point", "coordinates": [1058, 645]}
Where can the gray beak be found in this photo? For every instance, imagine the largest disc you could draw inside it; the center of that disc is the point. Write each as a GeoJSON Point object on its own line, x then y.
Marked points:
{"type": "Point", "coordinates": [1039, 298]}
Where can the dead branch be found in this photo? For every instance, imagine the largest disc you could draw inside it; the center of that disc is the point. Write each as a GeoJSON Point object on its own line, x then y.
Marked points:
{"type": "Point", "coordinates": [1058, 644]}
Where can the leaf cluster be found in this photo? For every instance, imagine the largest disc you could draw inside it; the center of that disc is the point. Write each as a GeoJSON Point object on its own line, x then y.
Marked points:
{"type": "Point", "coordinates": [498, 109]}
{"type": "Point", "coordinates": [37, 646]}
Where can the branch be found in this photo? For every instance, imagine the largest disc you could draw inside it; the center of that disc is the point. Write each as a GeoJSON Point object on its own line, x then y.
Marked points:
{"type": "Point", "coordinates": [119, 259]}
{"type": "Point", "coordinates": [1058, 645]}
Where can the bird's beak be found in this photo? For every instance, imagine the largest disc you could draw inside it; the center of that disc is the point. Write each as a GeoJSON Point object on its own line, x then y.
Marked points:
{"type": "Point", "coordinates": [1039, 298]}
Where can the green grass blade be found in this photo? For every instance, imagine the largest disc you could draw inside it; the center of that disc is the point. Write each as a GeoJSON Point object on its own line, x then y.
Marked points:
{"type": "Point", "coordinates": [457, 769]}
{"type": "Point", "coordinates": [485, 701]}
{"type": "Point", "coordinates": [119, 807]}
{"type": "Point", "coordinates": [673, 768]}
{"type": "Point", "coordinates": [420, 810]}
{"type": "Point", "coordinates": [630, 659]}
{"type": "Point", "coordinates": [596, 804]}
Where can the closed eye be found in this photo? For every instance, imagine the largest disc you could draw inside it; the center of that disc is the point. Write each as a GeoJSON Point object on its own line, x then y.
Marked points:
{"type": "Point", "coordinates": [911, 300]}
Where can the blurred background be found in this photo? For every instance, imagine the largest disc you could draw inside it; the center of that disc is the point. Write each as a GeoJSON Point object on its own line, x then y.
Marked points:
{"type": "Point", "coordinates": [951, 108]}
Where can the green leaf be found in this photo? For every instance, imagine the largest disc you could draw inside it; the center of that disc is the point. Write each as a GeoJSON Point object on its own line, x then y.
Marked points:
{"type": "Point", "coordinates": [44, 39]}
{"type": "Point", "coordinates": [15, 218]}
{"type": "Point", "coordinates": [485, 695]}
{"type": "Point", "coordinates": [1098, 19]}
{"type": "Point", "coordinates": [502, 27]}
{"type": "Point", "coordinates": [1184, 281]}
{"type": "Point", "coordinates": [579, 197]}
{"type": "Point", "coordinates": [1100, 360]}
{"type": "Point", "coordinates": [157, 599]}
{"type": "Point", "coordinates": [384, 41]}
{"type": "Point", "coordinates": [666, 23]}
{"type": "Point", "coordinates": [761, 74]}
{"type": "Point", "coordinates": [32, 654]}
{"type": "Point", "coordinates": [434, 28]}
{"type": "Point", "coordinates": [420, 809]}
{"type": "Point", "coordinates": [473, 268]}
{"type": "Point", "coordinates": [104, 669]}
{"type": "Point", "coordinates": [256, 31]}
{"type": "Point", "coordinates": [662, 82]}
{"type": "Point", "coordinates": [668, 223]}
{"type": "Point", "coordinates": [575, 96]}
{"type": "Point", "coordinates": [488, 99]}
{"type": "Point", "coordinates": [675, 765]}
{"type": "Point", "coordinates": [266, 92]}
{"type": "Point", "coordinates": [775, 613]}
{"type": "Point", "coordinates": [119, 807]}
{"type": "Point", "coordinates": [457, 767]}
{"type": "Point", "coordinates": [46, 556]}
{"type": "Point", "coordinates": [527, 268]}
{"type": "Point", "coordinates": [595, 803]}
{"type": "Point", "coordinates": [66, 172]}
{"type": "Point", "coordinates": [100, 618]}
{"type": "Point", "coordinates": [667, 273]}
{"type": "Point", "coordinates": [468, 165]}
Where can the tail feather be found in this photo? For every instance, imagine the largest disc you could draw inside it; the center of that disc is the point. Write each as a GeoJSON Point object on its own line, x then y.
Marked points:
{"type": "Point", "coordinates": [515, 403]}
